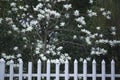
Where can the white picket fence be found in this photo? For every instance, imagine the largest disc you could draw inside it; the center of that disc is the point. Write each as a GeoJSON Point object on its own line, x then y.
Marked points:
{"type": "Point", "coordinates": [57, 73]}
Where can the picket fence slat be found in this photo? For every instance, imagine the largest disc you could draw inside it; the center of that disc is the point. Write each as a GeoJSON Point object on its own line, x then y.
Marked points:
{"type": "Point", "coordinates": [103, 69]}
{"type": "Point", "coordinates": [48, 70]}
{"type": "Point", "coordinates": [30, 71]}
{"type": "Point", "coordinates": [84, 70]}
{"type": "Point", "coordinates": [11, 69]}
{"type": "Point", "coordinates": [94, 70]}
{"type": "Point", "coordinates": [66, 70]}
{"type": "Point", "coordinates": [66, 75]}
{"type": "Point", "coordinates": [112, 70]}
{"type": "Point", "coordinates": [57, 69]}
{"type": "Point", "coordinates": [2, 70]}
{"type": "Point", "coordinates": [20, 69]}
{"type": "Point", "coordinates": [39, 70]}
{"type": "Point", "coordinates": [75, 70]}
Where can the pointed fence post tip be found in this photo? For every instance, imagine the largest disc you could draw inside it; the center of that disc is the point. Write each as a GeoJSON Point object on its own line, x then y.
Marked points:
{"type": "Point", "coordinates": [75, 61]}
{"type": "Point", "coordinates": [94, 61]}
{"type": "Point", "coordinates": [85, 61]}
{"type": "Point", "coordinates": [103, 61]}
{"type": "Point", "coordinates": [57, 61]}
{"type": "Point", "coordinates": [48, 61]}
{"type": "Point", "coordinates": [66, 61]}
{"type": "Point", "coordinates": [2, 60]}
{"type": "Point", "coordinates": [20, 60]}
{"type": "Point", "coordinates": [112, 61]}
{"type": "Point", "coordinates": [39, 61]}
{"type": "Point", "coordinates": [11, 61]}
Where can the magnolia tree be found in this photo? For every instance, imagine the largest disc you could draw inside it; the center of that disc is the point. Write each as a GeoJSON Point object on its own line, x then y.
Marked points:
{"type": "Point", "coordinates": [52, 29]}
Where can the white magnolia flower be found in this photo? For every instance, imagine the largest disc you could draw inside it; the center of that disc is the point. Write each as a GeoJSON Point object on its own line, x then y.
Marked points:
{"type": "Point", "coordinates": [91, 13]}
{"type": "Point", "coordinates": [74, 37]}
{"type": "Point", "coordinates": [102, 9]}
{"type": "Point", "coordinates": [62, 24]}
{"type": "Point", "coordinates": [67, 6]}
{"type": "Point", "coordinates": [15, 48]}
{"type": "Point", "coordinates": [53, 61]}
{"type": "Point", "coordinates": [21, 7]}
{"type": "Point", "coordinates": [13, 4]}
{"type": "Point", "coordinates": [3, 54]}
{"type": "Point", "coordinates": [98, 28]}
{"type": "Point", "coordinates": [48, 52]}
{"type": "Point", "coordinates": [108, 17]}
{"type": "Point", "coordinates": [44, 58]}
{"type": "Point", "coordinates": [8, 63]}
{"type": "Point", "coordinates": [88, 41]}
{"type": "Point", "coordinates": [40, 5]}
{"type": "Point", "coordinates": [81, 20]}
{"type": "Point", "coordinates": [88, 58]}
{"type": "Point", "coordinates": [30, 28]}
{"type": "Point", "coordinates": [15, 28]}
{"type": "Point", "coordinates": [60, 48]}
{"type": "Point", "coordinates": [113, 28]}
{"type": "Point", "coordinates": [113, 33]}
{"type": "Point", "coordinates": [101, 35]}
{"type": "Point", "coordinates": [76, 13]}
{"type": "Point", "coordinates": [19, 55]}
{"type": "Point", "coordinates": [104, 13]}
{"type": "Point", "coordinates": [81, 59]}
{"type": "Point", "coordinates": [91, 1]}
{"type": "Point", "coordinates": [33, 22]}
{"type": "Point", "coordinates": [79, 26]}
{"type": "Point", "coordinates": [40, 16]}
{"type": "Point", "coordinates": [86, 31]}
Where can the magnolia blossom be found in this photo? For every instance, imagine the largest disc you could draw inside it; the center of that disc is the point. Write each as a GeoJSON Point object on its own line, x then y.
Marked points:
{"type": "Point", "coordinates": [19, 55]}
{"type": "Point", "coordinates": [15, 48]}
{"type": "Point", "coordinates": [108, 17]}
{"type": "Point", "coordinates": [106, 41]}
{"type": "Point", "coordinates": [38, 7]}
{"type": "Point", "coordinates": [101, 35]}
{"type": "Point", "coordinates": [13, 4]}
{"type": "Point", "coordinates": [98, 28]}
{"type": "Point", "coordinates": [81, 20]}
{"type": "Point", "coordinates": [60, 48]}
{"type": "Point", "coordinates": [98, 51]}
{"type": "Point", "coordinates": [104, 13]}
{"type": "Point", "coordinates": [91, 13]}
{"type": "Point", "coordinates": [113, 33]}
{"type": "Point", "coordinates": [67, 6]}
{"type": "Point", "coordinates": [107, 14]}
{"type": "Point", "coordinates": [79, 26]}
{"type": "Point", "coordinates": [15, 28]}
{"type": "Point", "coordinates": [88, 41]}
{"type": "Point", "coordinates": [30, 28]}
{"type": "Point", "coordinates": [76, 13]}
{"type": "Point", "coordinates": [33, 22]}
{"type": "Point", "coordinates": [102, 9]}
{"type": "Point", "coordinates": [21, 7]}
{"type": "Point", "coordinates": [88, 58]}
{"type": "Point", "coordinates": [40, 16]}
{"type": "Point", "coordinates": [113, 28]}
{"type": "Point", "coordinates": [91, 1]}
{"type": "Point", "coordinates": [74, 37]}
{"type": "Point", "coordinates": [86, 31]}
{"type": "Point", "coordinates": [81, 59]}
{"type": "Point", "coordinates": [62, 24]}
